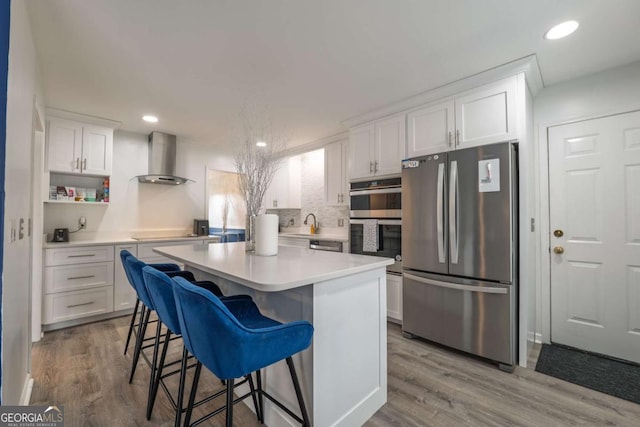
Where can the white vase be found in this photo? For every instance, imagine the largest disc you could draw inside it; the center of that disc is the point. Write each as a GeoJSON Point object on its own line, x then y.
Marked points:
{"type": "Point", "coordinates": [266, 235]}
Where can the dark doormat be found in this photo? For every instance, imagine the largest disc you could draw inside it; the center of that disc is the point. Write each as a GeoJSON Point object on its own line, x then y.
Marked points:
{"type": "Point", "coordinates": [613, 377]}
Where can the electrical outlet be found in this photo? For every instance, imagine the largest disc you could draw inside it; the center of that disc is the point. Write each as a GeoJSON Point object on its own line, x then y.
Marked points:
{"type": "Point", "coordinates": [82, 222]}
{"type": "Point", "coordinates": [341, 222]}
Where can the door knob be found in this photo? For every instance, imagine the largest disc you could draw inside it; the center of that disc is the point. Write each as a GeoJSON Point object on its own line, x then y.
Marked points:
{"type": "Point", "coordinates": [558, 250]}
{"type": "Point", "coordinates": [558, 233]}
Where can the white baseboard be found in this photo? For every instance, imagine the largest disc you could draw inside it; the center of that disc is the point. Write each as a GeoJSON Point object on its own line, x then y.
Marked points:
{"type": "Point", "coordinates": [25, 398]}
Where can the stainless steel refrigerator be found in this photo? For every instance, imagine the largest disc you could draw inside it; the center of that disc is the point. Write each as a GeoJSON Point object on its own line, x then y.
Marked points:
{"type": "Point", "coordinates": [459, 247]}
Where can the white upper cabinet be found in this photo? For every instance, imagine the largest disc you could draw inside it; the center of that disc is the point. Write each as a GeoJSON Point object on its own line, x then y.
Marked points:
{"type": "Point", "coordinates": [389, 147]}
{"type": "Point", "coordinates": [484, 115]}
{"type": "Point", "coordinates": [64, 145]}
{"type": "Point", "coordinates": [335, 174]}
{"type": "Point", "coordinates": [487, 114]}
{"type": "Point", "coordinates": [361, 152]}
{"type": "Point", "coordinates": [97, 149]}
{"type": "Point", "coordinates": [431, 129]}
{"type": "Point", "coordinates": [75, 147]}
{"type": "Point", "coordinates": [285, 191]}
{"type": "Point", "coordinates": [377, 149]}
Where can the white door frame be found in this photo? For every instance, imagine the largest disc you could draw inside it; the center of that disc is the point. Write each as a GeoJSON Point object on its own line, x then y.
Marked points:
{"type": "Point", "coordinates": [544, 276]}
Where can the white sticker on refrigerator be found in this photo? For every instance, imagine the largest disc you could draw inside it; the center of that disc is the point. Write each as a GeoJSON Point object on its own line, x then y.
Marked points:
{"type": "Point", "coordinates": [489, 175]}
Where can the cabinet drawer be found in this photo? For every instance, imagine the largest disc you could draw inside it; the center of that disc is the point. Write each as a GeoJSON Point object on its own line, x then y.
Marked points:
{"type": "Point", "coordinates": [76, 304]}
{"type": "Point", "coordinates": [83, 255]}
{"type": "Point", "coordinates": [72, 277]}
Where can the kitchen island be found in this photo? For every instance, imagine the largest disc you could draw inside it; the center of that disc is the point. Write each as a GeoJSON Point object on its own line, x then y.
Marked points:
{"type": "Point", "coordinates": [344, 373]}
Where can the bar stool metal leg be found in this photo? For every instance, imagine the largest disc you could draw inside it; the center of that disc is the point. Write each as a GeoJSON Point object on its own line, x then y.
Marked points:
{"type": "Point", "coordinates": [131, 325]}
{"type": "Point", "coordinates": [142, 329]}
{"type": "Point", "coordinates": [260, 397]}
{"type": "Point", "coordinates": [156, 368]}
{"type": "Point", "coordinates": [183, 376]}
{"type": "Point", "coordinates": [296, 386]}
{"type": "Point", "coordinates": [192, 395]}
{"type": "Point", "coordinates": [230, 402]}
{"type": "Point", "coordinates": [253, 396]}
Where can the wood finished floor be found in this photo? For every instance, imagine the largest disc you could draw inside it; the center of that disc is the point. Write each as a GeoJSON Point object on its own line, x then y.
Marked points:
{"type": "Point", "coordinates": [83, 368]}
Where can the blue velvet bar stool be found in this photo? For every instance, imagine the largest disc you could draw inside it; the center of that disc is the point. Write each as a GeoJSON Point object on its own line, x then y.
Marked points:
{"type": "Point", "coordinates": [134, 267]}
{"type": "Point", "coordinates": [167, 268]}
{"type": "Point", "coordinates": [160, 290]}
{"type": "Point", "coordinates": [233, 339]}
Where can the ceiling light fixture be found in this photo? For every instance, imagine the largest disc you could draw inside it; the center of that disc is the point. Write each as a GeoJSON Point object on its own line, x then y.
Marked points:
{"type": "Point", "coordinates": [561, 30]}
{"type": "Point", "coordinates": [261, 144]}
{"type": "Point", "coordinates": [150, 119]}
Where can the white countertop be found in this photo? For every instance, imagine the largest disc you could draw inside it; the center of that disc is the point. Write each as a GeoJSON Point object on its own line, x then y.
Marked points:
{"type": "Point", "coordinates": [291, 268]}
{"type": "Point", "coordinates": [101, 241]}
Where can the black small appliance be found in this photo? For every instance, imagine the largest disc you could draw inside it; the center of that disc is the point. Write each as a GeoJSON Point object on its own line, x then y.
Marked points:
{"type": "Point", "coordinates": [60, 235]}
{"type": "Point", "coordinates": [201, 227]}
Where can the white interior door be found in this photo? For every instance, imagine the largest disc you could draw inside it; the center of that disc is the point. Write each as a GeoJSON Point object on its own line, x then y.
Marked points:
{"type": "Point", "coordinates": [594, 180]}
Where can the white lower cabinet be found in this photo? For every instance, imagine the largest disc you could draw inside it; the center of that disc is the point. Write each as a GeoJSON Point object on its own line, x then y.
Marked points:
{"type": "Point", "coordinates": [78, 282]}
{"type": "Point", "coordinates": [394, 298]}
{"type": "Point", "coordinates": [73, 277]}
{"type": "Point", "coordinates": [85, 281]}
{"type": "Point", "coordinates": [72, 305]}
{"type": "Point", "coordinates": [124, 296]}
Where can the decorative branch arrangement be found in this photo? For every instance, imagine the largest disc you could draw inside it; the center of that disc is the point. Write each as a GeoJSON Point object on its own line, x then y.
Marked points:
{"type": "Point", "coordinates": [258, 165]}
{"type": "Point", "coordinates": [227, 204]}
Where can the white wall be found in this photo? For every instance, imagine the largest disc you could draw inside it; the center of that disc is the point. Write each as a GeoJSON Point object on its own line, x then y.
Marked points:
{"type": "Point", "coordinates": [610, 92]}
{"type": "Point", "coordinates": [138, 208]}
{"type": "Point", "coordinates": [23, 91]}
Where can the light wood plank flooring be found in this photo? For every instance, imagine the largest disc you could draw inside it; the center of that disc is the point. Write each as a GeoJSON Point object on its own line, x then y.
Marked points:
{"type": "Point", "coordinates": [83, 368]}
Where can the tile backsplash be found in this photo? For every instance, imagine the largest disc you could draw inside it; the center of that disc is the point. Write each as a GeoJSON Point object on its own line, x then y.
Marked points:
{"type": "Point", "coordinates": [313, 197]}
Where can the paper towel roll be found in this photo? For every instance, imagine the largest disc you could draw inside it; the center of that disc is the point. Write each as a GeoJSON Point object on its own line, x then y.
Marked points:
{"type": "Point", "coordinates": [267, 235]}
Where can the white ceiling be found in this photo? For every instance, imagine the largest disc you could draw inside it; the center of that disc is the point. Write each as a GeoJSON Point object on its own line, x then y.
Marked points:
{"type": "Point", "coordinates": [313, 63]}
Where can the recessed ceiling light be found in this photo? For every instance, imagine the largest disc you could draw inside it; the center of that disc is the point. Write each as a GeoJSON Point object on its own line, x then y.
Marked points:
{"type": "Point", "coordinates": [561, 30]}
{"type": "Point", "coordinates": [150, 119]}
{"type": "Point", "coordinates": [261, 144]}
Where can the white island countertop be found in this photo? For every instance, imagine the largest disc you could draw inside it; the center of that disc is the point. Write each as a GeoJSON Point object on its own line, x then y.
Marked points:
{"type": "Point", "coordinates": [291, 268]}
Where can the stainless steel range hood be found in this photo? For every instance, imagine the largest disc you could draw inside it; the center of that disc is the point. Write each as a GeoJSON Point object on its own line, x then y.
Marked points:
{"type": "Point", "coordinates": [162, 161]}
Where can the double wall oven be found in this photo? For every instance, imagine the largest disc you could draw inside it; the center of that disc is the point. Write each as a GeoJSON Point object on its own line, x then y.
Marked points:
{"type": "Point", "coordinates": [378, 200]}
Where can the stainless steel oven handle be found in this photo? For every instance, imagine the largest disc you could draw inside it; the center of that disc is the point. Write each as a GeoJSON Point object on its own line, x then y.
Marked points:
{"type": "Point", "coordinates": [471, 288]}
{"type": "Point", "coordinates": [380, 221]}
{"type": "Point", "coordinates": [389, 190]}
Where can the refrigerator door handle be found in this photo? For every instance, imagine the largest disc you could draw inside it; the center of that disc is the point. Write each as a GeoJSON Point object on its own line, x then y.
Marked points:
{"type": "Point", "coordinates": [453, 212]}
{"type": "Point", "coordinates": [471, 288]}
{"type": "Point", "coordinates": [440, 213]}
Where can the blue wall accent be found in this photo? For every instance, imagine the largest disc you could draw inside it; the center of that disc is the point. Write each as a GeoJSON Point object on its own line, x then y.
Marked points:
{"type": "Point", "coordinates": [5, 20]}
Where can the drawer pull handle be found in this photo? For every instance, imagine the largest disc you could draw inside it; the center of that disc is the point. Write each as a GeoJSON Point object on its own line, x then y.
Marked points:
{"type": "Point", "coordinates": [80, 305]}
{"type": "Point", "coordinates": [81, 277]}
{"type": "Point", "coordinates": [81, 256]}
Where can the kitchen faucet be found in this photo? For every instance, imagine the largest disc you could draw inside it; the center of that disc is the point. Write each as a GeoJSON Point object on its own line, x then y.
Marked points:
{"type": "Point", "coordinates": [315, 223]}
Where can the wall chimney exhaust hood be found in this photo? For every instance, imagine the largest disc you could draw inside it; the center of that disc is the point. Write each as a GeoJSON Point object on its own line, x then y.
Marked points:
{"type": "Point", "coordinates": [162, 161]}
